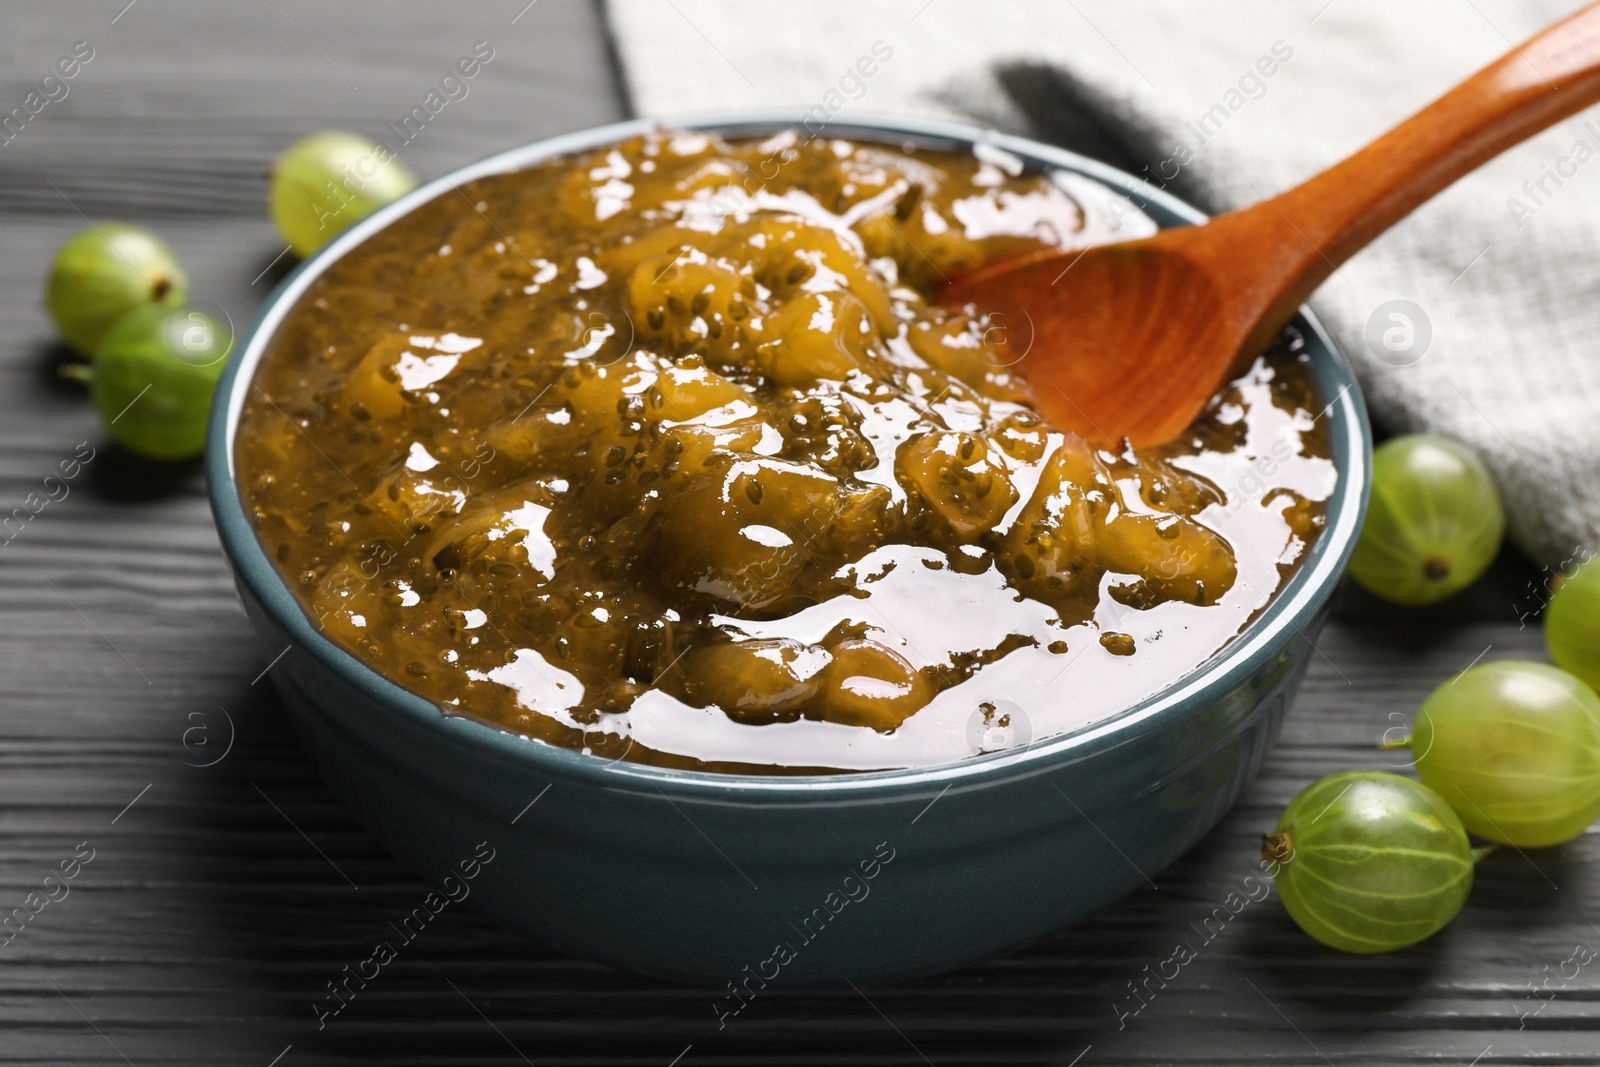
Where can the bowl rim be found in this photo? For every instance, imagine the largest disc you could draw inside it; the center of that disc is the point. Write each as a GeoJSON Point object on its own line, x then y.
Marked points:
{"type": "Point", "coordinates": [1292, 609]}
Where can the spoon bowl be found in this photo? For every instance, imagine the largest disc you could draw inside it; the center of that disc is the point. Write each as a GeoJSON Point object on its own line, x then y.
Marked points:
{"type": "Point", "coordinates": [1108, 327]}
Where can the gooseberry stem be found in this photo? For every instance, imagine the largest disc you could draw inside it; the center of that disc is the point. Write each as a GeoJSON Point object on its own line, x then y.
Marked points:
{"type": "Point", "coordinates": [1276, 848]}
{"type": "Point", "coordinates": [1480, 852]}
{"type": "Point", "coordinates": [77, 372]}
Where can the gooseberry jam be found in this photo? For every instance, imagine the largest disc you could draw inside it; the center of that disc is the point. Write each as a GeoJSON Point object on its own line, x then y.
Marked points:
{"type": "Point", "coordinates": [666, 452]}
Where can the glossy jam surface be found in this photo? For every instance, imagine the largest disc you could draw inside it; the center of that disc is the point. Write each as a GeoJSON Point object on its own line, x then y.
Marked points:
{"type": "Point", "coordinates": [665, 452]}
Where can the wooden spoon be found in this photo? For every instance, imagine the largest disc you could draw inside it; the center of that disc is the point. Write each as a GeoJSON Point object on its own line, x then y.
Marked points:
{"type": "Point", "coordinates": [1132, 339]}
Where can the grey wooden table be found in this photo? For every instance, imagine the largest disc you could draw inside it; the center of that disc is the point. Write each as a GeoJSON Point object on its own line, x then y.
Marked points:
{"type": "Point", "coordinates": [220, 899]}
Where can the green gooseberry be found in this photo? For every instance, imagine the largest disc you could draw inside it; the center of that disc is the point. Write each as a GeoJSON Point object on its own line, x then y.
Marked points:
{"type": "Point", "coordinates": [1369, 861]}
{"type": "Point", "coordinates": [1572, 624]}
{"type": "Point", "coordinates": [153, 376]}
{"type": "Point", "coordinates": [325, 182]}
{"type": "Point", "coordinates": [1514, 747]}
{"type": "Point", "coordinates": [1434, 522]}
{"type": "Point", "coordinates": [103, 273]}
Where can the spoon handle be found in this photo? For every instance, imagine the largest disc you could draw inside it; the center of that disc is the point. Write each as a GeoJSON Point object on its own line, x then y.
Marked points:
{"type": "Point", "coordinates": [1327, 219]}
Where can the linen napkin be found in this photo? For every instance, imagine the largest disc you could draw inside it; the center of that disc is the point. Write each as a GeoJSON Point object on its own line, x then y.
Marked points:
{"type": "Point", "coordinates": [1477, 318]}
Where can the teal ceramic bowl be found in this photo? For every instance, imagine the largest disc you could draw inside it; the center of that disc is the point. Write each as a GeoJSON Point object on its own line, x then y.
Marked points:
{"type": "Point", "coordinates": [747, 881]}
